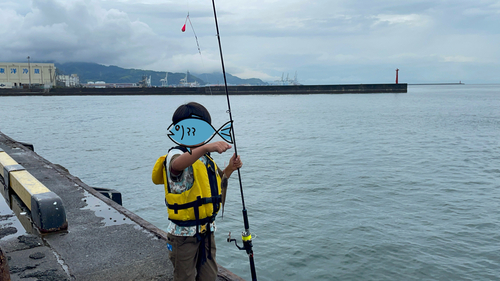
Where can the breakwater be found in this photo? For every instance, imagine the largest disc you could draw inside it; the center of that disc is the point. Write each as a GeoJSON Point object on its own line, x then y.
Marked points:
{"type": "Point", "coordinates": [220, 90]}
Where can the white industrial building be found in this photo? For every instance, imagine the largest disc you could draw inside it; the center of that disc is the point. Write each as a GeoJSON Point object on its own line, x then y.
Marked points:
{"type": "Point", "coordinates": [69, 80]}
{"type": "Point", "coordinates": [19, 75]}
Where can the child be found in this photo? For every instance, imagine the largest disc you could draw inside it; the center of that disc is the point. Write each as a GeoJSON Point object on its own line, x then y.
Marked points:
{"type": "Point", "coordinates": [193, 185]}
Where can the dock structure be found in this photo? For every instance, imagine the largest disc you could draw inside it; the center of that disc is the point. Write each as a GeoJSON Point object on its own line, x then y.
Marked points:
{"type": "Point", "coordinates": [220, 90]}
{"type": "Point", "coordinates": [80, 233]}
{"type": "Point", "coordinates": [46, 208]}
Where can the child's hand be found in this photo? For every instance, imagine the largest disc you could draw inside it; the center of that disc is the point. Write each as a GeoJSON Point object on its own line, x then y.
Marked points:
{"type": "Point", "coordinates": [219, 146]}
{"type": "Point", "coordinates": [234, 164]}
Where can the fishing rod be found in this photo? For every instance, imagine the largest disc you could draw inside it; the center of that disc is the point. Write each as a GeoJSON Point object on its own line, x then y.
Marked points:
{"type": "Point", "coordinates": [246, 236]}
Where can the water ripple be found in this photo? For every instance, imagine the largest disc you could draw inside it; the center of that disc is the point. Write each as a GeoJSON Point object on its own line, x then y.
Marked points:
{"type": "Point", "coordinates": [337, 187]}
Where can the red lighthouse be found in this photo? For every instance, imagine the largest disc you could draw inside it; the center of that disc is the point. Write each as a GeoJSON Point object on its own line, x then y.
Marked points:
{"type": "Point", "coordinates": [397, 70]}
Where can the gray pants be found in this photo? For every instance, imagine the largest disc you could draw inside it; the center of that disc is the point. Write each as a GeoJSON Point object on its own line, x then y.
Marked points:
{"type": "Point", "coordinates": [185, 256]}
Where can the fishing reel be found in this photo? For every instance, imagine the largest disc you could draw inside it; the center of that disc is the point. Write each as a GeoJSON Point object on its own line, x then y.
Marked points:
{"type": "Point", "coordinates": [246, 236]}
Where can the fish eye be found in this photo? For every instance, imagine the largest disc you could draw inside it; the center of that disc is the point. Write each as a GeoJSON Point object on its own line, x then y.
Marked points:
{"type": "Point", "coordinates": [177, 127]}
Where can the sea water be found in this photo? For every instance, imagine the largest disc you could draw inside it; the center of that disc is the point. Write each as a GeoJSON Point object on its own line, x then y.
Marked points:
{"type": "Point", "coordinates": [337, 187]}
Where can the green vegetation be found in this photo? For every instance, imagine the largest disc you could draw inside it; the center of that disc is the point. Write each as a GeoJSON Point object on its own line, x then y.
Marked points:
{"type": "Point", "coordinates": [92, 72]}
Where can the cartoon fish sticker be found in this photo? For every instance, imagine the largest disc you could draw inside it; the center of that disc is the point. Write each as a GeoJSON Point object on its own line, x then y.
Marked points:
{"type": "Point", "coordinates": [193, 132]}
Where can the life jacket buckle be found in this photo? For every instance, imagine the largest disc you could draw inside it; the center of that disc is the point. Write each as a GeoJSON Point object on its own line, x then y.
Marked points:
{"type": "Point", "coordinates": [211, 167]}
{"type": "Point", "coordinates": [203, 228]}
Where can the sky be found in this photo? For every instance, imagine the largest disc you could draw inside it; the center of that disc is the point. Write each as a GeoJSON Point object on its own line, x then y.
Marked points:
{"type": "Point", "coordinates": [317, 41]}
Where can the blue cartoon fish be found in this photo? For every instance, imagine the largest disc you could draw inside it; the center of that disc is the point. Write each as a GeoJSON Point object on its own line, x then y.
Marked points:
{"type": "Point", "coordinates": [193, 132]}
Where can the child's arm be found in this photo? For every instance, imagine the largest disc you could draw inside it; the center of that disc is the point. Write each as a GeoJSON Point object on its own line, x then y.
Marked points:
{"type": "Point", "coordinates": [185, 160]}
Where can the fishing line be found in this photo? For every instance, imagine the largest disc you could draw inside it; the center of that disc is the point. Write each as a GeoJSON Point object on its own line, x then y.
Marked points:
{"type": "Point", "coordinates": [246, 235]}
{"type": "Point", "coordinates": [197, 44]}
{"type": "Point", "coordinates": [195, 36]}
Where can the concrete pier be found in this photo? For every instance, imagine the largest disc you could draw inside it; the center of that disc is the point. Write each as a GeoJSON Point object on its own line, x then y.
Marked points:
{"type": "Point", "coordinates": [103, 240]}
{"type": "Point", "coordinates": [219, 90]}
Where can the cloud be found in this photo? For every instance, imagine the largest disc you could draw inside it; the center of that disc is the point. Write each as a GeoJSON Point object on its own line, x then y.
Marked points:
{"type": "Point", "coordinates": [324, 41]}
{"type": "Point", "coordinates": [458, 59]}
{"type": "Point", "coordinates": [77, 31]}
{"type": "Point", "coordinates": [411, 20]}
{"type": "Point", "coordinates": [245, 74]}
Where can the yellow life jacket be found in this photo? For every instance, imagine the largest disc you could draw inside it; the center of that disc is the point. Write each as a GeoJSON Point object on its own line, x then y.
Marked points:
{"type": "Point", "coordinates": [198, 205]}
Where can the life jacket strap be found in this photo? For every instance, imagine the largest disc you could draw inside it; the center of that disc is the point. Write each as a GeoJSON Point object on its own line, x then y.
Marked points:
{"type": "Point", "coordinates": [199, 202]}
{"type": "Point", "coordinates": [193, 223]}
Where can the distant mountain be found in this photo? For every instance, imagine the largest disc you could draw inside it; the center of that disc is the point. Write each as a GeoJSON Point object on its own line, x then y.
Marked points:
{"type": "Point", "coordinates": [113, 74]}
{"type": "Point", "coordinates": [217, 78]}
{"type": "Point", "coordinates": [92, 72]}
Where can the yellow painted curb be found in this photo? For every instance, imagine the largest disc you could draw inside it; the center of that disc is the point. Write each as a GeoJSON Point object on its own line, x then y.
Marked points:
{"type": "Point", "coordinates": [47, 210]}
